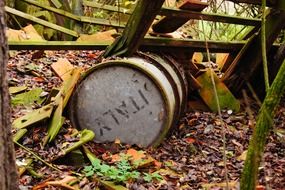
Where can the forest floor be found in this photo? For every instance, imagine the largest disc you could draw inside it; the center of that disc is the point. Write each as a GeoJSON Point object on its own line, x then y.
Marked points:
{"type": "Point", "coordinates": [191, 157]}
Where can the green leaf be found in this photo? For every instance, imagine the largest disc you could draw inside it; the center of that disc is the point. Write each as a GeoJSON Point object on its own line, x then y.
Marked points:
{"type": "Point", "coordinates": [90, 173]}
{"type": "Point", "coordinates": [88, 168]}
{"type": "Point", "coordinates": [104, 168]}
{"type": "Point", "coordinates": [28, 98]}
{"type": "Point", "coordinates": [96, 163]}
{"type": "Point", "coordinates": [147, 177]}
{"type": "Point", "coordinates": [157, 176]}
{"type": "Point", "coordinates": [135, 174]}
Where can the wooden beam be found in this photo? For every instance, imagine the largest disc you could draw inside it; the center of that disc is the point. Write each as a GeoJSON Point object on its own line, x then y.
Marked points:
{"type": "Point", "coordinates": [137, 26]}
{"type": "Point", "coordinates": [57, 45]}
{"type": "Point", "coordinates": [278, 59]}
{"type": "Point", "coordinates": [188, 14]}
{"type": "Point", "coordinates": [106, 7]}
{"type": "Point", "coordinates": [170, 24]}
{"type": "Point", "coordinates": [41, 21]}
{"type": "Point", "coordinates": [255, 2]}
{"type": "Point", "coordinates": [162, 44]}
{"type": "Point", "coordinates": [252, 59]}
{"type": "Point", "coordinates": [85, 19]}
{"type": "Point", "coordinates": [172, 12]}
{"type": "Point", "coordinates": [148, 44]}
{"type": "Point", "coordinates": [277, 4]}
{"type": "Point", "coordinates": [52, 9]}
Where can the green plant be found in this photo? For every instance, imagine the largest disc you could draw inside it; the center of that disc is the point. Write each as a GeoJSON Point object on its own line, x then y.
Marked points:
{"type": "Point", "coordinates": [152, 176]}
{"type": "Point", "coordinates": [119, 173]}
{"type": "Point", "coordinates": [122, 171]}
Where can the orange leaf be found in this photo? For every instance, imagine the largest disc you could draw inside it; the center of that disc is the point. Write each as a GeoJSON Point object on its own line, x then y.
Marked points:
{"type": "Point", "coordinates": [38, 79]}
{"type": "Point", "coordinates": [190, 140]}
{"type": "Point", "coordinates": [260, 187]}
{"type": "Point", "coordinates": [136, 155]}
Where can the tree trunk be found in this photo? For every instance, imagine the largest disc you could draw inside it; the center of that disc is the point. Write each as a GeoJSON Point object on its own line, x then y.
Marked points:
{"type": "Point", "coordinates": [263, 125]}
{"type": "Point", "coordinates": [137, 26]}
{"type": "Point", "coordinates": [8, 173]}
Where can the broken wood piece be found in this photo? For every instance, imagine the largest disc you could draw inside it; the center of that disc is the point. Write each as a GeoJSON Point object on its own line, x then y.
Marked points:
{"type": "Point", "coordinates": [207, 93]}
{"type": "Point", "coordinates": [62, 68]}
{"type": "Point", "coordinates": [62, 184]}
{"type": "Point", "coordinates": [197, 57]}
{"type": "Point", "coordinates": [33, 117]}
{"type": "Point", "coordinates": [107, 36]}
{"type": "Point", "coordinates": [22, 165]}
{"type": "Point", "coordinates": [85, 136]}
{"type": "Point", "coordinates": [60, 101]}
{"type": "Point", "coordinates": [193, 83]}
{"type": "Point", "coordinates": [17, 89]}
{"type": "Point", "coordinates": [55, 123]}
{"type": "Point", "coordinates": [19, 134]}
{"type": "Point", "coordinates": [171, 24]}
{"type": "Point", "coordinates": [27, 33]}
{"type": "Point", "coordinates": [231, 68]}
{"type": "Point", "coordinates": [69, 85]}
{"type": "Point", "coordinates": [221, 59]}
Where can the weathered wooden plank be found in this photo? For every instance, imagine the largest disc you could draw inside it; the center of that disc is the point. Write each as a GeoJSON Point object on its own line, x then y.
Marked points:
{"type": "Point", "coordinates": [57, 45]}
{"type": "Point", "coordinates": [101, 21]}
{"type": "Point", "coordinates": [277, 61]}
{"type": "Point", "coordinates": [189, 15]}
{"type": "Point", "coordinates": [136, 28]}
{"type": "Point", "coordinates": [160, 43]}
{"type": "Point", "coordinates": [106, 7]}
{"type": "Point", "coordinates": [170, 24]}
{"type": "Point", "coordinates": [231, 67]}
{"type": "Point", "coordinates": [255, 2]}
{"type": "Point", "coordinates": [149, 43]}
{"type": "Point", "coordinates": [41, 21]}
{"type": "Point", "coordinates": [172, 12]}
{"type": "Point", "coordinates": [207, 93]}
{"type": "Point", "coordinates": [85, 19]}
{"type": "Point", "coordinates": [252, 59]}
{"type": "Point", "coordinates": [52, 9]}
{"type": "Point", "coordinates": [277, 4]}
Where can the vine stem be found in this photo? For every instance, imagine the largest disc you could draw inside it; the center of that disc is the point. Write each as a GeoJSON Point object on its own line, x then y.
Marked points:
{"type": "Point", "coordinates": [263, 45]}
{"type": "Point", "coordinates": [37, 157]}
{"type": "Point", "coordinates": [219, 110]}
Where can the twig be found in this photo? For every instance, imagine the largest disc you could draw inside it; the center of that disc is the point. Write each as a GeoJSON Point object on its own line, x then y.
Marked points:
{"type": "Point", "coordinates": [263, 46]}
{"type": "Point", "coordinates": [37, 157]}
{"type": "Point", "coordinates": [219, 113]}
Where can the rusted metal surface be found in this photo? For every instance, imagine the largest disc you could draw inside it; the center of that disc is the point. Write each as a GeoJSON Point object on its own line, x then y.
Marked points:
{"type": "Point", "coordinates": [130, 99]}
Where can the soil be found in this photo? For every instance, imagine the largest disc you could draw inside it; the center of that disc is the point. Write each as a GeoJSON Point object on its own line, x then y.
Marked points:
{"type": "Point", "coordinates": [193, 156]}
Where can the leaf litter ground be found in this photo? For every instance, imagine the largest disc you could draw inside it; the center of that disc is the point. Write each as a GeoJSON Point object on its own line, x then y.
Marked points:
{"type": "Point", "coordinates": [190, 158]}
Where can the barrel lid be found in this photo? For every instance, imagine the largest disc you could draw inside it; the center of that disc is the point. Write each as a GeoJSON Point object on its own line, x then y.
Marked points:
{"type": "Point", "coordinates": [120, 102]}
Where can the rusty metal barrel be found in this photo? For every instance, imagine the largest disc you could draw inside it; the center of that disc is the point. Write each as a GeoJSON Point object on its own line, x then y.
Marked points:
{"type": "Point", "coordinates": [136, 100]}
